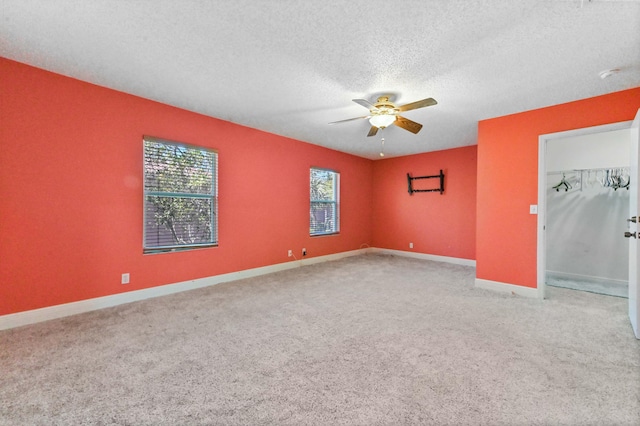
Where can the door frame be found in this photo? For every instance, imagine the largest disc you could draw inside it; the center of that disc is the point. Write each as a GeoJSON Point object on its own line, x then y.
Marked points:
{"type": "Point", "coordinates": [542, 190]}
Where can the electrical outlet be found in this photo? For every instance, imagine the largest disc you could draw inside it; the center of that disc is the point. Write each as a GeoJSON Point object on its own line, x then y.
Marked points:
{"type": "Point", "coordinates": [410, 245]}
{"type": "Point", "coordinates": [304, 251]}
{"type": "Point", "coordinates": [125, 278]}
{"type": "Point", "coordinates": [290, 253]}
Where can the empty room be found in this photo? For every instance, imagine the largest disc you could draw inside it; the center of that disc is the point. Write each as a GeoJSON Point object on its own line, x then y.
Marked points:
{"type": "Point", "coordinates": [319, 213]}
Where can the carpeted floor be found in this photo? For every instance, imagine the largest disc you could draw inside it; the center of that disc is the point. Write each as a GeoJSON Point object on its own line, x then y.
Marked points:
{"type": "Point", "coordinates": [367, 340]}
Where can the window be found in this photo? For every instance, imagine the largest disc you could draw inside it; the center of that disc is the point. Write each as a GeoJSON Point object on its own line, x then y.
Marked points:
{"type": "Point", "coordinates": [325, 206]}
{"type": "Point", "coordinates": [180, 196]}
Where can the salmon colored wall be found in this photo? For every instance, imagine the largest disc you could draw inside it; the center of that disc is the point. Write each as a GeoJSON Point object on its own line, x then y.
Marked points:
{"type": "Point", "coordinates": [443, 225]}
{"type": "Point", "coordinates": [71, 194]}
{"type": "Point", "coordinates": [506, 249]}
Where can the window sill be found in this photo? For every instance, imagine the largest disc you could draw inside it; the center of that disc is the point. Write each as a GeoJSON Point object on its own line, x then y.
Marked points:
{"type": "Point", "coordinates": [328, 234]}
{"type": "Point", "coordinates": [178, 249]}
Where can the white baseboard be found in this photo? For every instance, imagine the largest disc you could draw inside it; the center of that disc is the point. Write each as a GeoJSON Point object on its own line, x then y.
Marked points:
{"type": "Point", "coordinates": [585, 278]}
{"type": "Point", "coordinates": [58, 311]}
{"type": "Point", "coordinates": [519, 290]}
{"type": "Point", "coordinates": [330, 257]}
{"type": "Point", "coordinates": [424, 256]}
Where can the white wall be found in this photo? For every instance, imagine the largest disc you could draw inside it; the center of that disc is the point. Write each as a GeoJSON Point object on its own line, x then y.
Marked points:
{"type": "Point", "coordinates": [606, 149]}
{"type": "Point", "coordinates": [585, 225]}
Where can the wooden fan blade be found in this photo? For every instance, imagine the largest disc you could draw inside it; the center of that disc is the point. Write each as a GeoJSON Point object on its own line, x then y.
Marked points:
{"type": "Point", "coordinates": [418, 104]}
{"type": "Point", "coordinates": [407, 124]}
{"type": "Point", "coordinates": [368, 105]}
{"type": "Point", "coordinates": [350, 119]}
{"type": "Point", "coordinates": [372, 131]}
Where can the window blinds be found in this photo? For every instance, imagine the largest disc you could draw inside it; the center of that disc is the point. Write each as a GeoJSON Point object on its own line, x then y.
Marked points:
{"type": "Point", "coordinates": [180, 196]}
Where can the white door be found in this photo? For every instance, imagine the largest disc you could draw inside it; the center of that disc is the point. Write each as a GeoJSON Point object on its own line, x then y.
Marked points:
{"type": "Point", "coordinates": [634, 241]}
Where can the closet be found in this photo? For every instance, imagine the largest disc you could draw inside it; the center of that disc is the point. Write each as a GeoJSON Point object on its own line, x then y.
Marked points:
{"type": "Point", "coordinates": [587, 204]}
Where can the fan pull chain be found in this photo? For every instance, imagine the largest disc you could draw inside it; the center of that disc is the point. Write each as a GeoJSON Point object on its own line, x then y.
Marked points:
{"type": "Point", "coordinates": [382, 149]}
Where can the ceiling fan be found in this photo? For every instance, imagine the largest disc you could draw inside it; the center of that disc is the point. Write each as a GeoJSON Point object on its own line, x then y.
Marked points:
{"type": "Point", "coordinates": [385, 113]}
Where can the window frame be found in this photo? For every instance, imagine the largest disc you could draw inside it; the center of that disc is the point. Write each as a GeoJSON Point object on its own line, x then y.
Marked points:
{"type": "Point", "coordinates": [213, 197]}
{"type": "Point", "coordinates": [335, 201]}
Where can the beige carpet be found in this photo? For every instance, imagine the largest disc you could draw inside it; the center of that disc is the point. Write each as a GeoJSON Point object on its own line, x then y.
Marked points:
{"type": "Point", "coordinates": [368, 340]}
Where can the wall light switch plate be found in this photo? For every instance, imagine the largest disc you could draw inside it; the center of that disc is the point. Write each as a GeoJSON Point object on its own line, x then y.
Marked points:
{"type": "Point", "coordinates": [125, 279]}
{"type": "Point", "coordinates": [533, 209]}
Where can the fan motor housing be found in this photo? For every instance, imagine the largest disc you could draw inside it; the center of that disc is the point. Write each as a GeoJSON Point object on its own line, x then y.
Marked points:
{"type": "Point", "coordinates": [384, 104]}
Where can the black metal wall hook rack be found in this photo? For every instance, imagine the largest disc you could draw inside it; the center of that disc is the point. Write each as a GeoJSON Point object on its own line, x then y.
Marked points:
{"type": "Point", "coordinates": [440, 189]}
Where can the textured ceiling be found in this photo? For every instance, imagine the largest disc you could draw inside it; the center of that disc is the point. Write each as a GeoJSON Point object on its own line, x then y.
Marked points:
{"type": "Point", "coordinates": [290, 67]}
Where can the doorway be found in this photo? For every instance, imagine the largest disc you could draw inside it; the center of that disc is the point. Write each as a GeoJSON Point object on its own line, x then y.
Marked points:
{"type": "Point", "coordinates": [582, 205]}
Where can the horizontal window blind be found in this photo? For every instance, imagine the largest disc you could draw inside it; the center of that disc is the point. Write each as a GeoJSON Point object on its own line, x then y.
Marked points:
{"type": "Point", "coordinates": [180, 196]}
{"type": "Point", "coordinates": [324, 215]}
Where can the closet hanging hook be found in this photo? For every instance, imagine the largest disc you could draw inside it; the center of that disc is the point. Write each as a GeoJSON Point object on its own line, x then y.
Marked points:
{"type": "Point", "coordinates": [563, 183]}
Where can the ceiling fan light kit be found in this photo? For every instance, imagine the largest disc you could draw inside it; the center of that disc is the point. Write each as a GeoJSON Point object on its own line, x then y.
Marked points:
{"type": "Point", "coordinates": [382, 120]}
